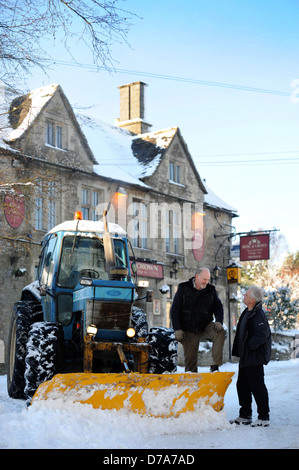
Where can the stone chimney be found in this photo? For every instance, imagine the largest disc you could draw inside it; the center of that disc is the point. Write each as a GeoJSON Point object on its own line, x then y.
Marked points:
{"type": "Point", "coordinates": [132, 108]}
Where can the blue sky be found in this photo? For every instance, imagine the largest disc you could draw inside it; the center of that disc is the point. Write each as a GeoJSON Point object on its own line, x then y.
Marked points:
{"type": "Point", "coordinates": [251, 44]}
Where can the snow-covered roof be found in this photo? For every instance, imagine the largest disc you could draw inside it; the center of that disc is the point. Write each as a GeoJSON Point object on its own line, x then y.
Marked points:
{"type": "Point", "coordinates": [111, 147]}
{"type": "Point", "coordinates": [118, 154]}
{"type": "Point", "coordinates": [87, 226]}
{"type": "Point", "coordinates": [215, 201]}
{"type": "Point", "coordinates": [121, 155]}
{"type": "Point", "coordinates": [6, 97]}
{"type": "Point", "coordinates": [35, 101]}
{"type": "Point", "coordinates": [148, 149]}
{"type": "Point", "coordinates": [37, 98]}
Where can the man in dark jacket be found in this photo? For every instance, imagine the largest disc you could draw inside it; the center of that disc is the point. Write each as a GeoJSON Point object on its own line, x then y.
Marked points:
{"type": "Point", "coordinates": [194, 306]}
{"type": "Point", "coordinates": [252, 344]}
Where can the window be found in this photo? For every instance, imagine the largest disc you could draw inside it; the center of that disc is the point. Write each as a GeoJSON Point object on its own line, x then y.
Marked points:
{"type": "Point", "coordinates": [168, 231]}
{"type": "Point", "coordinates": [52, 214]}
{"type": "Point", "coordinates": [94, 202]}
{"type": "Point", "coordinates": [95, 198]}
{"type": "Point", "coordinates": [53, 135]}
{"type": "Point", "coordinates": [48, 267]}
{"type": "Point", "coordinates": [81, 257]}
{"type": "Point", "coordinates": [85, 196]}
{"type": "Point", "coordinates": [174, 173]}
{"type": "Point", "coordinates": [176, 231]}
{"type": "Point", "coordinates": [59, 137]}
{"type": "Point", "coordinates": [140, 225]}
{"type": "Point", "coordinates": [85, 213]}
{"type": "Point", "coordinates": [38, 213]}
{"type": "Point", "coordinates": [39, 207]}
{"type": "Point", "coordinates": [85, 202]}
{"type": "Point", "coordinates": [50, 133]}
{"type": "Point", "coordinates": [45, 205]}
{"type": "Point", "coordinates": [173, 231]}
{"type": "Point", "coordinates": [143, 226]}
{"type": "Point", "coordinates": [51, 206]}
{"type": "Point", "coordinates": [89, 202]}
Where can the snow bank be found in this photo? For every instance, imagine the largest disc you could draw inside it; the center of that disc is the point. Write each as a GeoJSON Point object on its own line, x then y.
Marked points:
{"type": "Point", "coordinates": [76, 426]}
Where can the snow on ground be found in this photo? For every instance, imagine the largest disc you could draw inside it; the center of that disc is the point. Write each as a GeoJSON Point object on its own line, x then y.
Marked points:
{"type": "Point", "coordinates": [46, 426]}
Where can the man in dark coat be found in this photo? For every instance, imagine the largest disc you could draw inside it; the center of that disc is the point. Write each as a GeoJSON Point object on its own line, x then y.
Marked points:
{"type": "Point", "coordinates": [252, 344]}
{"type": "Point", "coordinates": [194, 307]}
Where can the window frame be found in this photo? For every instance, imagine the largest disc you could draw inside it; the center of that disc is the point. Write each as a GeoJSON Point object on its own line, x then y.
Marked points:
{"type": "Point", "coordinates": [175, 174]}
{"type": "Point", "coordinates": [54, 135]}
{"type": "Point", "coordinates": [140, 225]}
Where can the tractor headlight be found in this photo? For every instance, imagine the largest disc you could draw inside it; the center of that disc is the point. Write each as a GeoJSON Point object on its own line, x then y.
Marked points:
{"type": "Point", "coordinates": [131, 332]}
{"type": "Point", "coordinates": [92, 330]}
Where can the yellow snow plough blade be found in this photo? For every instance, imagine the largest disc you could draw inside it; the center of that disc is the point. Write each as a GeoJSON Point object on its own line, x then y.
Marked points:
{"type": "Point", "coordinates": [156, 395]}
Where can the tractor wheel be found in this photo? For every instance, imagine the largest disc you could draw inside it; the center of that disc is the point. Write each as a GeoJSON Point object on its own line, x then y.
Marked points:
{"type": "Point", "coordinates": [163, 351]}
{"type": "Point", "coordinates": [43, 356]}
{"type": "Point", "coordinates": [139, 323]}
{"type": "Point", "coordinates": [25, 313]}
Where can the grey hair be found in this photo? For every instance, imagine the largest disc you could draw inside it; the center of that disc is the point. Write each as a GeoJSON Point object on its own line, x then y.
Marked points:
{"type": "Point", "coordinates": [256, 293]}
{"type": "Point", "coordinates": [200, 270]}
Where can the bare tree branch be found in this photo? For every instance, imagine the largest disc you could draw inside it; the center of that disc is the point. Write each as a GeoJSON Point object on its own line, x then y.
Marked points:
{"type": "Point", "coordinates": [25, 23]}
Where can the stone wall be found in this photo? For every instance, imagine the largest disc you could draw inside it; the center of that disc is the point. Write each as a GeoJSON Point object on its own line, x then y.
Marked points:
{"type": "Point", "coordinates": [285, 346]}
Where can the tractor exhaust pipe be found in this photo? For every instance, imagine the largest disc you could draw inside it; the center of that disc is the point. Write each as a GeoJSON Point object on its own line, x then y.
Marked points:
{"type": "Point", "coordinates": [108, 243]}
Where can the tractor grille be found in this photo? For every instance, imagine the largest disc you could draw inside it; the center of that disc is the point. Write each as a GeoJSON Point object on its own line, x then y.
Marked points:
{"type": "Point", "coordinates": [108, 315]}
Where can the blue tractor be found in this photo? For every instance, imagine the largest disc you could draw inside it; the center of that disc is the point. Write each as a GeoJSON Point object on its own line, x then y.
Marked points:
{"type": "Point", "coordinates": [79, 315]}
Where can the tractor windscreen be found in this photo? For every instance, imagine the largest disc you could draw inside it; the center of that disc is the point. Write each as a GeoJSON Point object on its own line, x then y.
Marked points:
{"type": "Point", "coordinates": [84, 257]}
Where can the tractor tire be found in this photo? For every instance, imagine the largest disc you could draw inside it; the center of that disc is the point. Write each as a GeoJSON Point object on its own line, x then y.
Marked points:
{"type": "Point", "coordinates": [139, 323]}
{"type": "Point", "coordinates": [43, 356]}
{"type": "Point", "coordinates": [25, 314]}
{"type": "Point", "coordinates": [163, 351]}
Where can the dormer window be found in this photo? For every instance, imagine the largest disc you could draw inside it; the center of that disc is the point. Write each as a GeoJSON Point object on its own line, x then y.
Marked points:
{"type": "Point", "coordinates": [174, 173]}
{"type": "Point", "coordinates": [53, 135]}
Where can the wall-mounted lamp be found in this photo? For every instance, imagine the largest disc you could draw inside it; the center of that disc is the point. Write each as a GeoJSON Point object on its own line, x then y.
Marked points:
{"type": "Point", "coordinates": [175, 265]}
{"type": "Point", "coordinates": [121, 191]}
{"type": "Point", "coordinates": [216, 271]}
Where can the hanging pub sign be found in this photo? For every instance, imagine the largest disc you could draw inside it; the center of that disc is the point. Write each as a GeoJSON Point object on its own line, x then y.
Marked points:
{"type": "Point", "coordinates": [254, 247]}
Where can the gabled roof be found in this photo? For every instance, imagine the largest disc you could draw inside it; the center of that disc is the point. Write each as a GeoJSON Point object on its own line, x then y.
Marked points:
{"type": "Point", "coordinates": [121, 155]}
{"type": "Point", "coordinates": [115, 152]}
{"type": "Point", "coordinates": [111, 147]}
{"type": "Point", "coordinates": [191, 162]}
{"type": "Point", "coordinates": [24, 110]}
{"type": "Point", "coordinates": [149, 148]}
{"type": "Point", "coordinates": [34, 101]}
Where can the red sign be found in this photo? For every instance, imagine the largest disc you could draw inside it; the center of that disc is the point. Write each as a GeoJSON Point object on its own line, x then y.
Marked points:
{"type": "Point", "coordinates": [254, 247]}
{"type": "Point", "coordinates": [149, 270]}
{"type": "Point", "coordinates": [14, 209]}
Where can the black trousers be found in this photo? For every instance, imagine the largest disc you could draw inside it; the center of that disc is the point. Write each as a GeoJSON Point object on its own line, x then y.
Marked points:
{"type": "Point", "coordinates": [251, 383]}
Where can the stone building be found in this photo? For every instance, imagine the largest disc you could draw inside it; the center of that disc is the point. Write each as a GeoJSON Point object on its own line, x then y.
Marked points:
{"type": "Point", "coordinates": [54, 163]}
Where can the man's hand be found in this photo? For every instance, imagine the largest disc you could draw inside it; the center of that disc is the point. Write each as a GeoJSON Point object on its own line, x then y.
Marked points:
{"type": "Point", "coordinates": [218, 326]}
{"type": "Point", "coordinates": [179, 335]}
